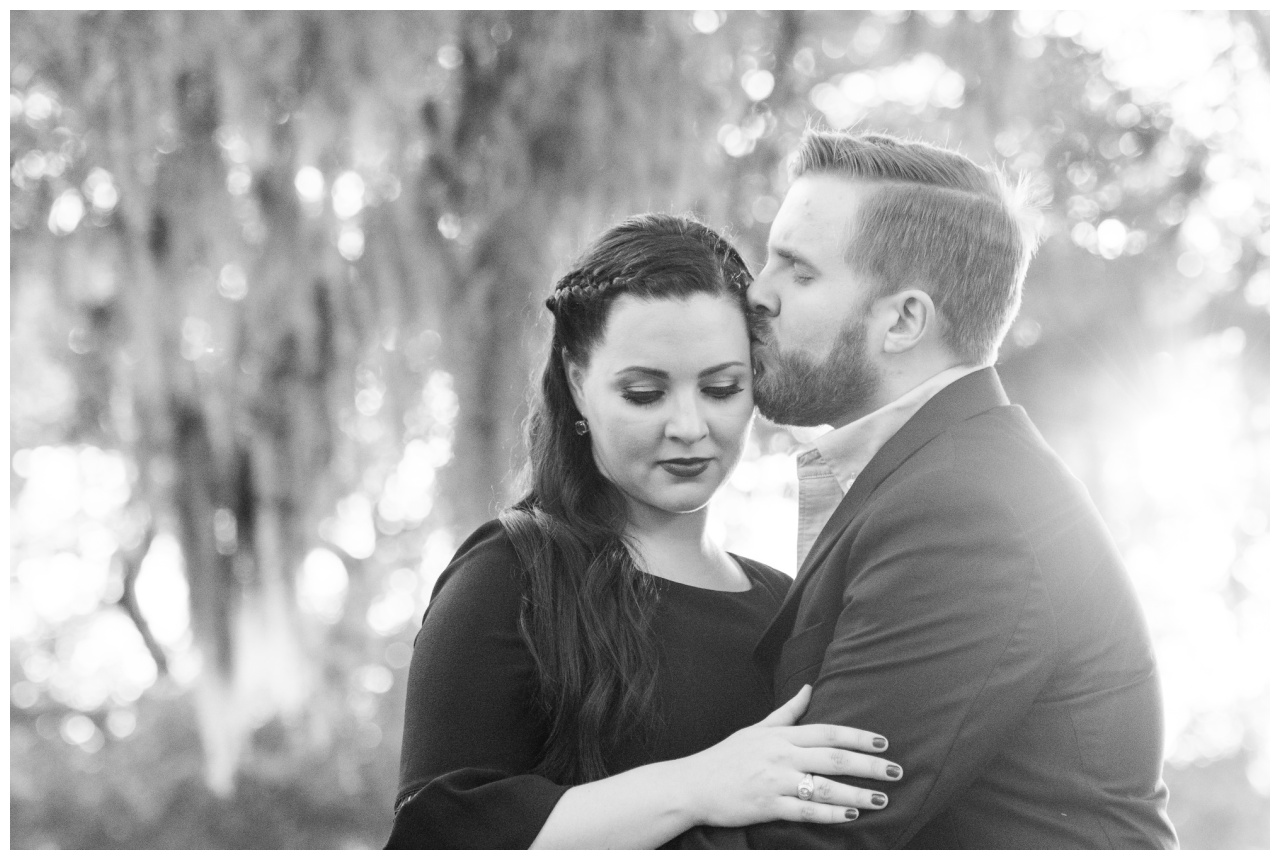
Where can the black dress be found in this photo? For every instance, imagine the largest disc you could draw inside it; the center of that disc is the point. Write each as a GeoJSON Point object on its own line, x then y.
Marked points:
{"type": "Point", "coordinates": [472, 736]}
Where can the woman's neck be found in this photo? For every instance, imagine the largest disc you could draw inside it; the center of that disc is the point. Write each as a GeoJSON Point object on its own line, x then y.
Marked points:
{"type": "Point", "coordinates": [677, 547]}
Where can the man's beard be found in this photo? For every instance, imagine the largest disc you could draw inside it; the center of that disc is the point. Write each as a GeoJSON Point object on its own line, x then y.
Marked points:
{"type": "Point", "coordinates": [793, 389]}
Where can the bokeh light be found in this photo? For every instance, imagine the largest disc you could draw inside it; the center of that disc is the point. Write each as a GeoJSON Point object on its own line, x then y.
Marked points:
{"type": "Point", "coordinates": [309, 183]}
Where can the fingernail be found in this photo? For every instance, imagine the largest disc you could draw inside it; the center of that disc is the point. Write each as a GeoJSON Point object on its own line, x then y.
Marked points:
{"type": "Point", "coordinates": [893, 772]}
{"type": "Point", "coordinates": [879, 800]}
{"type": "Point", "coordinates": [851, 814]}
{"type": "Point", "coordinates": [879, 744]}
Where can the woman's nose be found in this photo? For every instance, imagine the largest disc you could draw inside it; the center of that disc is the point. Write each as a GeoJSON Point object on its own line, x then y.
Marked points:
{"type": "Point", "coordinates": [686, 422]}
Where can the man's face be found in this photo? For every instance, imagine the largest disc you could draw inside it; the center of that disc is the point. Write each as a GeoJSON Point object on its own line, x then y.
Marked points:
{"type": "Point", "coordinates": [816, 366]}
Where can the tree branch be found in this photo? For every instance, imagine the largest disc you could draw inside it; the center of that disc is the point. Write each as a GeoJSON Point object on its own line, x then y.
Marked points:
{"type": "Point", "coordinates": [130, 562]}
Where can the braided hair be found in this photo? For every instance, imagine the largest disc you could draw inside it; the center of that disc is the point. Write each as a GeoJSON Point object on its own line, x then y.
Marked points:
{"type": "Point", "coordinates": [587, 608]}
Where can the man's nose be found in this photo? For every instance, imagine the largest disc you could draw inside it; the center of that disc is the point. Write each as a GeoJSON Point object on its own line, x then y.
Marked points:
{"type": "Point", "coordinates": [761, 295]}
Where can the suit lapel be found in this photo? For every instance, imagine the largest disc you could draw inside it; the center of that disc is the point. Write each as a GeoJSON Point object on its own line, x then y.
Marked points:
{"type": "Point", "coordinates": [968, 396]}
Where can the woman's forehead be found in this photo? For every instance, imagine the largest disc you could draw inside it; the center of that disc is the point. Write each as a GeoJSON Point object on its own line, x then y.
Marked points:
{"type": "Point", "coordinates": [701, 330]}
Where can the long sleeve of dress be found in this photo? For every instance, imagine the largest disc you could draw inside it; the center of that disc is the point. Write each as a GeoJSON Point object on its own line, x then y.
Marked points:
{"type": "Point", "coordinates": [471, 735]}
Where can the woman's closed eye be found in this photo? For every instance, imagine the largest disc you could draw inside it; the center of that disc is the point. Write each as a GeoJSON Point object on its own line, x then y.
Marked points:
{"type": "Point", "coordinates": [649, 396]}
{"type": "Point", "coordinates": [723, 392]}
{"type": "Point", "coordinates": [641, 396]}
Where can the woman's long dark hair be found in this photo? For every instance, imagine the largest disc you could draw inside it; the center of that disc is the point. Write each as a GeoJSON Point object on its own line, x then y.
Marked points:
{"type": "Point", "coordinates": [587, 606]}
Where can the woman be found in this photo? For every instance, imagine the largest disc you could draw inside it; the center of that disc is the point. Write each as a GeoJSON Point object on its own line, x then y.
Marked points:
{"type": "Point", "coordinates": [584, 673]}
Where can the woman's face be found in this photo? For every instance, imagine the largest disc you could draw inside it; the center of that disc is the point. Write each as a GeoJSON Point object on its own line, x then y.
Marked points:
{"type": "Point", "coordinates": [667, 396]}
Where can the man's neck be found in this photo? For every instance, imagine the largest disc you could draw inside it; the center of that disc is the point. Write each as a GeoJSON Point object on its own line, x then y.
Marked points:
{"type": "Point", "coordinates": [896, 381]}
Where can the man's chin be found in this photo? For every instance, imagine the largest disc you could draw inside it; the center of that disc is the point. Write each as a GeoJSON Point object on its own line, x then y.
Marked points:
{"type": "Point", "coordinates": [785, 419]}
{"type": "Point", "coordinates": [780, 404]}
{"type": "Point", "coordinates": [794, 390]}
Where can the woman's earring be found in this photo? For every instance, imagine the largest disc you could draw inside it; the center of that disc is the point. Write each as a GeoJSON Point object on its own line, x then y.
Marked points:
{"type": "Point", "coordinates": [580, 427]}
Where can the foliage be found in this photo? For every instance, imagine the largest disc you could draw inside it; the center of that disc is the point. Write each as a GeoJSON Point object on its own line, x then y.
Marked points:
{"type": "Point", "coordinates": [275, 280]}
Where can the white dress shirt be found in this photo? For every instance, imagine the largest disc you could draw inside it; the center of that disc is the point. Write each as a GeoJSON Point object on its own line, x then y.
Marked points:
{"type": "Point", "coordinates": [828, 467]}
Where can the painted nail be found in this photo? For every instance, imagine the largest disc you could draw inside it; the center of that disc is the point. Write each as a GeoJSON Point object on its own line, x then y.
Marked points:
{"type": "Point", "coordinates": [893, 772]}
{"type": "Point", "coordinates": [851, 814]}
{"type": "Point", "coordinates": [879, 744]}
{"type": "Point", "coordinates": [879, 800]}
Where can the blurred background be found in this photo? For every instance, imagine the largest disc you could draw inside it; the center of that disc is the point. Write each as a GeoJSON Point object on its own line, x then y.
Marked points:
{"type": "Point", "coordinates": [275, 298]}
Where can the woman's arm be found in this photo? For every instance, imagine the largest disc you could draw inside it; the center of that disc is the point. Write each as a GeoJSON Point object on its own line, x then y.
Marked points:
{"type": "Point", "coordinates": [750, 777]}
{"type": "Point", "coordinates": [641, 808]}
{"type": "Point", "coordinates": [472, 742]}
{"type": "Point", "coordinates": [472, 737]}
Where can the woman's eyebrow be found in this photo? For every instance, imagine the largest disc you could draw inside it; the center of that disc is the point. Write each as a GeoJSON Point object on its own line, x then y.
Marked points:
{"type": "Point", "coordinates": [662, 374]}
{"type": "Point", "coordinates": [648, 371]}
{"type": "Point", "coordinates": [719, 367]}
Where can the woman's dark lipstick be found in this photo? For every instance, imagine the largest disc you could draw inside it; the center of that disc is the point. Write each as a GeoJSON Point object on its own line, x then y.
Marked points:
{"type": "Point", "coordinates": [686, 467]}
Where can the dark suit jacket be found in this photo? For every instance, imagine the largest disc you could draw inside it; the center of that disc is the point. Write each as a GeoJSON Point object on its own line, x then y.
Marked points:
{"type": "Point", "coordinates": [966, 601]}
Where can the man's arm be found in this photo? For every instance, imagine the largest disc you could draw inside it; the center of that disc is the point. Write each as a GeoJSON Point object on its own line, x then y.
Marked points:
{"type": "Point", "coordinates": [941, 645]}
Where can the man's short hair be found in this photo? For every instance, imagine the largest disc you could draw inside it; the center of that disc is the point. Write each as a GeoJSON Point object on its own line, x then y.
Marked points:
{"type": "Point", "coordinates": [936, 221]}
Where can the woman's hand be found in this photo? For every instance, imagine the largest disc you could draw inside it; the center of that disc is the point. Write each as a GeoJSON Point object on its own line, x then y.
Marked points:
{"type": "Point", "coordinates": [750, 777]}
{"type": "Point", "coordinates": [754, 775]}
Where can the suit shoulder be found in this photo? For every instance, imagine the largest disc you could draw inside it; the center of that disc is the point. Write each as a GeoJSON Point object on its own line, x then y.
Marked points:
{"type": "Point", "coordinates": [995, 454]}
{"type": "Point", "coordinates": [995, 475]}
{"type": "Point", "coordinates": [1007, 437]}
{"type": "Point", "coordinates": [944, 480]}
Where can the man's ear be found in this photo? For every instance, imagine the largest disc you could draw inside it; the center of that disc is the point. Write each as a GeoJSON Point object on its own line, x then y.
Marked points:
{"type": "Point", "coordinates": [912, 316]}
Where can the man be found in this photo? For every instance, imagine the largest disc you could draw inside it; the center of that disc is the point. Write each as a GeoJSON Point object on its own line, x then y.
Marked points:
{"type": "Point", "coordinates": [959, 593]}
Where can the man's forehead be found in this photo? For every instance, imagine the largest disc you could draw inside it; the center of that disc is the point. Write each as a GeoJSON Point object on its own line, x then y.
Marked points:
{"type": "Point", "coordinates": [826, 189]}
{"type": "Point", "coordinates": [817, 206]}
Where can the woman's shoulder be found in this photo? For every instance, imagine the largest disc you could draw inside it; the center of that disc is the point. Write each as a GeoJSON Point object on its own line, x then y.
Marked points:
{"type": "Point", "coordinates": [762, 575]}
{"type": "Point", "coordinates": [488, 543]}
{"type": "Point", "coordinates": [485, 568]}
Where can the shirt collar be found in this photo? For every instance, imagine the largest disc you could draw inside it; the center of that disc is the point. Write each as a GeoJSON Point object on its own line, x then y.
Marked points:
{"type": "Point", "coordinates": [847, 450]}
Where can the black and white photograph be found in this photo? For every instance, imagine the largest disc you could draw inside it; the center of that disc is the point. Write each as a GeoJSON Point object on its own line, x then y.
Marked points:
{"type": "Point", "coordinates": [635, 429]}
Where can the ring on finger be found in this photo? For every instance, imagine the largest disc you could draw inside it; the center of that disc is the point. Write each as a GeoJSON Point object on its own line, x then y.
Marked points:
{"type": "Point", "coordinates": [805, 789]}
